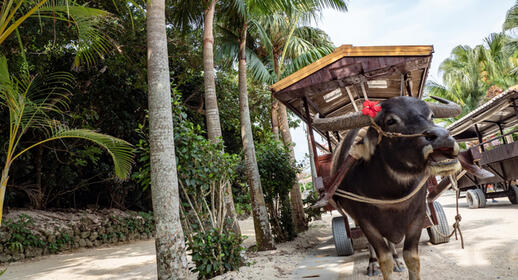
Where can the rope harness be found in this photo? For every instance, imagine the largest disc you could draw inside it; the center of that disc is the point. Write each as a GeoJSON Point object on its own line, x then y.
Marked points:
{"type": "Point", "coordinates": [369, 200]}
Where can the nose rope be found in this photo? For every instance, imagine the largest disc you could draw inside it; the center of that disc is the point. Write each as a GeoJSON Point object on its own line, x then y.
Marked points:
{"type": "Point", "coordinates": [388, 134]}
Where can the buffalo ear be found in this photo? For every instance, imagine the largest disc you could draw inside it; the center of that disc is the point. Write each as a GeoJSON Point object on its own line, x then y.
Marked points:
{"type": "Point", "coordinates": [366, 147]}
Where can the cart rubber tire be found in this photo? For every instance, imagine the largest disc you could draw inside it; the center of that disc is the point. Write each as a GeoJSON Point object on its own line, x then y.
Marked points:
{"type": "Point", "coordinates": [481, 198]}
{"type": "Point", "coordinates": [513, 194]}
{"type": "Point", "coordinates": [343, 244]}
{"type": "Point", "coordinates": [442, 227]}
{"type": "Point", "coordinates": [472, 199]}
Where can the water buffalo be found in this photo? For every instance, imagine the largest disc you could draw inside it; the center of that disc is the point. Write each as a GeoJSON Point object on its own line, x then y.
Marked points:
{"type": "Point", "coordinates": [390, 168]}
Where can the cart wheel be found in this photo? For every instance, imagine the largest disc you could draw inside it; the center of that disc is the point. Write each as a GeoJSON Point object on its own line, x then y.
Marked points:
{"type": "Point", "coordinates": [472, 198]}
{"type": "Point", "coordinates": [513, 194]}
{"type": "Point", "coordinates": [481, 198]}
{"type": "Point", "coordinates": [343, 244]}
{"type": "Point", "coordinates": [442, 227]}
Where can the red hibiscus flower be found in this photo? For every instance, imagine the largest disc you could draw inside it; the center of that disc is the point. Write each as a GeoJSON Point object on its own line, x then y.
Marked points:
{"type": "Point", "coordinates": [371, 108]}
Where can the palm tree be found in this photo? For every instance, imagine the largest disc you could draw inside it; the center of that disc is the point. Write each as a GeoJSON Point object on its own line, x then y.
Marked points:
{"type": "Point", "coordinates": [190, 12]}
{"type": "Point", "coordinates": [471, 75]}
{"type": "Point", "coordinates": [462, 78]}
{"type": "Point", "coordinates": [169, 242]}
{"type": "Point", "coordinates": [242, 13]}
{"type": "Point", "coordinates": [30, 101]}
{"type": "Point", "coordinates": [284, 48]}
{"type": "Point", "coordinates": [91, 41]}
{"type": "Point", "coordinates": [511, 18]}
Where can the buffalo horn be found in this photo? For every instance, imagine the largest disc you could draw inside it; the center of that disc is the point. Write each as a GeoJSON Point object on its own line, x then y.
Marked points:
{"type": "Point", "coordinates": [345, 122]}
{"type": "Point", "coordinates": [444, 109]}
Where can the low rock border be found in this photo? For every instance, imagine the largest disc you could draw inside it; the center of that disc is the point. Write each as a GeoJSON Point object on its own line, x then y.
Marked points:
{"type": "Point", "coordinates": [32, 233]}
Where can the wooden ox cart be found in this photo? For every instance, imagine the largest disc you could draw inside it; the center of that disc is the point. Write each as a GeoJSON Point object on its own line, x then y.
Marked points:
{"type": "Point", "coordinates": [493, 148]}
{"type": "Point", "coordinates": [339, 83]}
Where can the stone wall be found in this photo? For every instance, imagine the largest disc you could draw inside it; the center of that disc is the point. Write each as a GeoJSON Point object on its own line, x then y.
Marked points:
{"type": "Point", "coordinates": [32, 233]}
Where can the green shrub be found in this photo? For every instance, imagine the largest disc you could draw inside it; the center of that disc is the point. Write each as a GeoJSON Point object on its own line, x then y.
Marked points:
{"type": "Point", "coordinates": [204, 171]}
{"type": "Point", "coordinates": [21, 236]}
{"type": "Point", "coordinates": [215, 252]}
{"type": "Point", "coordinates": [278, 175]}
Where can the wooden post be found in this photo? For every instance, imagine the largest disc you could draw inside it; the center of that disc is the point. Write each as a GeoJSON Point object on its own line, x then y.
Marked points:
{"type": "Point", "coordinates": [353, 102]}
{"type": "Point", "coordinates": [479, 136]}
{"type": "Point", "coordinates": [364, 91]}
{"type": "Point", "coordinates": [310, 131]}
{"type": "Point", "coordinates": [501, 132]}
{"type": "Point", "coordinates": [328, 137]}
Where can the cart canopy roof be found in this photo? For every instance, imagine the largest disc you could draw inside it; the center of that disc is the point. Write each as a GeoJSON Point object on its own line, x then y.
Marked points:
{"type": "Point", "coordinates": [500, 110]}
{"type": "Point", "coordinates": [355, 73]}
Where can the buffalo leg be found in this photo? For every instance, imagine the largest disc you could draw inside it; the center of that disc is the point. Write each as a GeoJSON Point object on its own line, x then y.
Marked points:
{"type": "Point", "coordinates": [410, 252]}
{"type": "Point", "coordinates": [372, 269]}
{"type": "Point", "coordinates": [398, 264]}
{"type": "Point", "coordinates": [382, 250]}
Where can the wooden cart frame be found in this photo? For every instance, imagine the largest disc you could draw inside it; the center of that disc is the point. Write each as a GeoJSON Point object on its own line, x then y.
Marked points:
{"type": "Point", "coordinates": [338, 84]}
{"type": "Point", "coordinates": [498, 154]}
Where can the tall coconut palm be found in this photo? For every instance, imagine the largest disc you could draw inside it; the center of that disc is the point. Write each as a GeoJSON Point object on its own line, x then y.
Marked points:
{"type": "Point", "coordinates": [169, 242]}
{"type": "Point", "coordinates": [241, 13]}
{"type": "Point", "coordinates": [283, 48]}
{"type": "Point", "coordinates": [201, 13]}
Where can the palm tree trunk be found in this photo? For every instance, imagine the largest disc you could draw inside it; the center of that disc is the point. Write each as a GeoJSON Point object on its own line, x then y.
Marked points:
{"type": "Point", "coordinates": [3, 186]}
{"type": "Point", "coordinates": [263, 233]}
{"type": "Point", "coordinates": [211, 101]}
{"type": "Point", "coordinates": [169, 242]}
{"type": "Point", "coordinates": [275, 105]}
{"type": "Point", "coordinates": [296, 197]}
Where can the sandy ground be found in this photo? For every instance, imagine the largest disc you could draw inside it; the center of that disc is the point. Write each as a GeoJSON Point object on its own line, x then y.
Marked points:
{"type": "Point", "coordinates": [491, 241]}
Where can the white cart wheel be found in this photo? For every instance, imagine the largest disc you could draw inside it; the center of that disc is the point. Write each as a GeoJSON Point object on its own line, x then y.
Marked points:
{"type": "Point", "coordinates": [442, 227]}
{"type": "Point", "coordinates": [472, 199]}
{"type": "Point", "coordinates": [343, 244]}
{"type": "Point", "coordinates": [513, 194]}
{"type": "Point", "coordinates": [481, 198]}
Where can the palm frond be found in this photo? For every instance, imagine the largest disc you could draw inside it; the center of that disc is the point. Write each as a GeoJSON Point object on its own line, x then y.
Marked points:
{"type": "Point", "coordinates": [120, 150]}
{"type": "Point", "coordinates": [511, 18]}
{"type": "Point", "coordinates": [307, 58]}
{"type": "Point", "coordinates": [92, 42]}
{"type": "Point", "coordinates": [259, 71]}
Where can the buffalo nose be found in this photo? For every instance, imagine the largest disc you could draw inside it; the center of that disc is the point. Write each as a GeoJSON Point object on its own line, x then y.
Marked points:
{"type": "Point", "coordinates": [432, 134]}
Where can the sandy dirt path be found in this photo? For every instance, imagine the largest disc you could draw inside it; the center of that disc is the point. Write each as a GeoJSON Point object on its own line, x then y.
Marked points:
{"type": "Point", "coordinates": [491, 240]}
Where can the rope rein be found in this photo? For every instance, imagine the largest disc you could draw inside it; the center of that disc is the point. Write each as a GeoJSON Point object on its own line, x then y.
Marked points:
{"type": "Point", "coordinates": [458, 217]}
{"type": "Point", "coordinates": [360, 198]}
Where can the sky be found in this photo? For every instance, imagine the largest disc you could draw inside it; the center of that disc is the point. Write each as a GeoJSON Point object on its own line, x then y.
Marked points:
{"type": "Point", "coordinates": [444, 24]}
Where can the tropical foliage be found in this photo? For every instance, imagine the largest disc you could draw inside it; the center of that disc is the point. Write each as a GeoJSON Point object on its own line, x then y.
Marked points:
{"type": "Point", "coordinates": [471, 76]}
{"type": "Point", "coordinates": [278, 174]}
{"type": "Point", "coordinates": [104, 44]}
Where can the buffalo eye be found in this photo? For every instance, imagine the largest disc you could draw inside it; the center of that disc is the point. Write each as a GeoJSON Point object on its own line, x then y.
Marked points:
{"type": "Point", "coordinates": [390, 121]}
